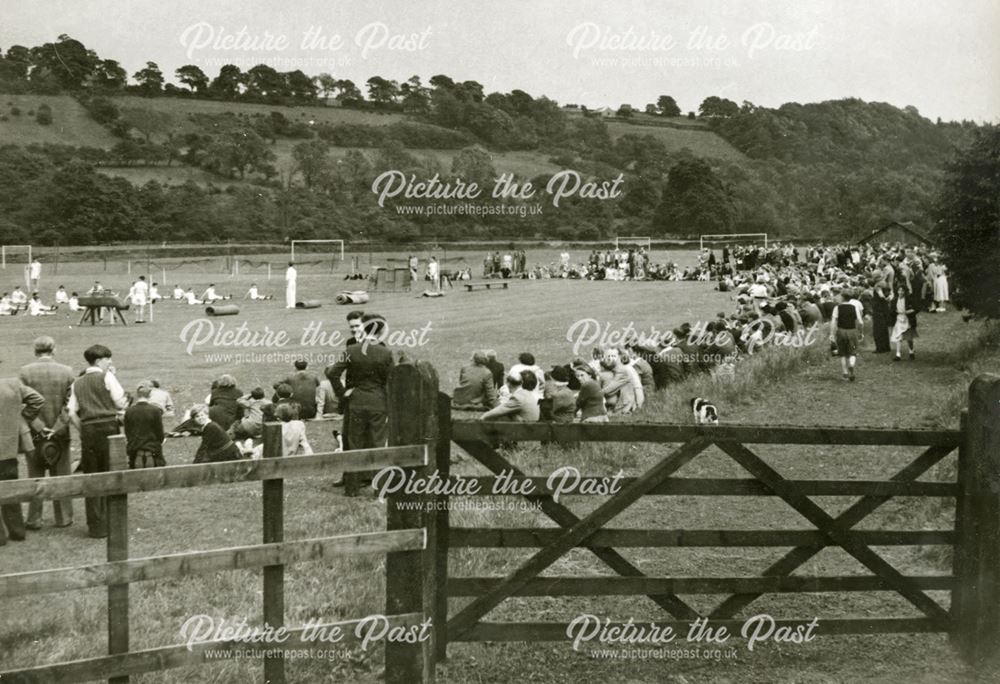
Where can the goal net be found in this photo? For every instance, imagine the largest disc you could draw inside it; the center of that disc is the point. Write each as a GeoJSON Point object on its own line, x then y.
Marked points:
{"type": "Point", "coordinates": [732, 240]}
{"type": "Point", "coordinates": [317, 254]}
{"type": "Point", "coordinates": [16, 260]}
{"type": "Point", "coordinates": [633, 241]}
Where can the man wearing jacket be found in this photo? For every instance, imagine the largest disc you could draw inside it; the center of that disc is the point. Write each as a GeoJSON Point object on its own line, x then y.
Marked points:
{"type": "Point", "coordinates": [50, 428]}
{"type": "Point", "coordinates": [19, 404]}
{"type": "Point", "coordinates": [365, 367]}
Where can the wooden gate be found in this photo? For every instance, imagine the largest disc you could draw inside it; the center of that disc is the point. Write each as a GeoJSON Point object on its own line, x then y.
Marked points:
{"type": "Point", "coordinates": [971, 619]}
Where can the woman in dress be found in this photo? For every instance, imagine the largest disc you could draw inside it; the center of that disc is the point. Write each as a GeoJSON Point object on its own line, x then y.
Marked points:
{"type": "Point", "coordinates": [906, 320]}
{"type": "Point", "coordinates": [882, 317]}
{"type": "Point", "coordinates": [215, 445]}
{"type": "Point", "coordinates": [937, 275]}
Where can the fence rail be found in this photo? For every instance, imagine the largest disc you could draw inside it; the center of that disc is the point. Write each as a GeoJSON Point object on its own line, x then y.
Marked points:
{"type": "Point", "coordinates": [405, 546]}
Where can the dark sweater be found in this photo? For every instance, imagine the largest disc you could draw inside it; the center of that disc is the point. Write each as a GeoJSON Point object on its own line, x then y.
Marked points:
{"type": "Point", "coordinates": [94, 402]}
{"type": "Point", "coordinates": [144, 428]}
{"type": "Point", "coordinates": [590, 400]}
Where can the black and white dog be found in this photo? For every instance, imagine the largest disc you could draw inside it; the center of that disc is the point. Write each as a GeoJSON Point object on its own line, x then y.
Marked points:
{"type": "Point", "coordinates": [704, 412]}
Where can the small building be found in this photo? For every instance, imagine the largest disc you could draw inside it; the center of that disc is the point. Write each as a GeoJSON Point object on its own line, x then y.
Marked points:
{"type": "Point", "coordinates": [905, 232]}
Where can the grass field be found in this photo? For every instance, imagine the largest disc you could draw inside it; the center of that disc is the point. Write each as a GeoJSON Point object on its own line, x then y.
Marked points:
{"type": "Point", "coordinates": [703, 143]}
{"type": "Point", "coordinates": [535, 316]}
{"type": "Point", "coordinates": [71, 125]}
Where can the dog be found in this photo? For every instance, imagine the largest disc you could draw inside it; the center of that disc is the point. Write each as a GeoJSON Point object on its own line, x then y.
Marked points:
{"type": "Point", "coordinates": [704, 412]}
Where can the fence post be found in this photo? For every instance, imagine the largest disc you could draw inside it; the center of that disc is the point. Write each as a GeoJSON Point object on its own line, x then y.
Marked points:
{"type": "Point", "coordinates": [976, 600]}
{"type": "Point", "coordinates": [441, 527]}
{"type": "Point", "coordinates": [274, 531]}
{"type": "Point", "coordinates": [117, 514]}
{"type": "Point", "coordinates": [409, 575]}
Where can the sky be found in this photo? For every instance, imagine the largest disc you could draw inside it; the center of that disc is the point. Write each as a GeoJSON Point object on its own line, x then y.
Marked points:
{"type": "Point", "coordinates": [941, 57]}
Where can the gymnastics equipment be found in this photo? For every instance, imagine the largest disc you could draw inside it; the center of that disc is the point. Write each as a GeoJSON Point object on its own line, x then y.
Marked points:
{"type": "Point", "coordinates": [352, 297]}
{"type": "Point", "coordinates": [222, 310]}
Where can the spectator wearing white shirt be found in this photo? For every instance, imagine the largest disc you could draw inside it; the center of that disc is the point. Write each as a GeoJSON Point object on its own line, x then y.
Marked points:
{"type": "Point", "coordinates": [62, 297]}
{"type": "Point", "coordinates": [96, 404]}
{"type": "Point", "coordinates": [36, 308]}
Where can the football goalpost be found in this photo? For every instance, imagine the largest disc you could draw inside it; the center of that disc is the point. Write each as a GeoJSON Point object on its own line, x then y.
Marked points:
{"type": "Point", "coordinates": [732, 239]}
{"type": "Point", "coordinates": [635, 240]}
{"type": "Point", "coordinates": [17, 249]}
{"type": "Point", "coordinates": [294, 242]}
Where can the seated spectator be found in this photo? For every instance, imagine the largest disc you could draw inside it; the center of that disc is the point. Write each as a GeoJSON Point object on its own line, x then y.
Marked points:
{"type": "Point", "coordinates": [144, 431]}
{"type": "Point", "coordinates": [283, 395]}
{"type": "Point", "coordinates": [251, 426]}
{"type": "Point", "coordinates": [215, 444]}
{"type": "Point", "coordinates": [326, 400]}
{"type": "Point", "coordinates": [224, 408]}
{"type": "Point", "coordinates": [590, 399]}
{"type": "Point", "coordinates": [561, 400]}
{"type": "Point", "coordinates": [526, 362]}
{"type": "Point", "coordinates": [293, 432]}
{"type": "Point", "coordinates": [623, 391]}
{"type": "Point", "coordinates": [475, 386]}
{"type": "Point", "coordinates": [521, 403]}
{"type": "Point", "coordinates": [160, 397]}
{"type": "Point", "coordinates": [303, 383]}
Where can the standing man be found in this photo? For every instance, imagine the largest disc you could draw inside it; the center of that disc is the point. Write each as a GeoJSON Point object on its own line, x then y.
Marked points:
{"type": "Point", "coordinates": [35, 273]}
{"type": "Point", "coordinates": [291, 275]}
{"type": "Point", "coordinates": [96, 402]}
{"type": "Point", "coordinates": [366, 365]}
{"type": "Point", "coordinates": [140, 297]}
{"type": "Point", "coordinates": [18, 403]}
{"type": "Point", "coordinates": [414, 264]}
{"type": "Point", "coordinates": [50, 428]}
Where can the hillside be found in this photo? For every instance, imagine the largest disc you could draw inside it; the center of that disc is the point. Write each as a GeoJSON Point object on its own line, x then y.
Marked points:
{"type": "Point", "coordinates": [702, 141]}
{"type": "Point", "coordinates": [71, 125]}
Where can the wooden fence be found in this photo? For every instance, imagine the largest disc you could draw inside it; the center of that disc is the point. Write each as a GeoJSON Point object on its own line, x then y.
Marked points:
{"type": "Point", "coordinates": [972, 619]}
{"type": "Point", "coordinates": [405, 543]}
{"type": "Point", "coordinates": [419, 534]}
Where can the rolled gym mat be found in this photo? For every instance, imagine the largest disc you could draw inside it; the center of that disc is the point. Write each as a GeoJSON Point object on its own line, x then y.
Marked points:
{"type": "Point", "coordinates": [352, 297]}
{"type": "Point", "coordinates": [223, 310]}
{"type": "Point", "coordinates": [308, 304]}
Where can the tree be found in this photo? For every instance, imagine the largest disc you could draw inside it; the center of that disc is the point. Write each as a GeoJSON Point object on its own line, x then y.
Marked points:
{"type": "Point", "coordinates": [68, 61]}
{"type": "Point", "coordinates": [968, 224]}
{"type": "Point", "coordinates": [651, 109]}
{"type": "Point", "coordinates": [694, 201]}
{"type": "Point", "coordinates": [311, 160]}
{"type": "Point", "coordinates": [625, 111]}
{"type": "Point", "coordinates": [474, 165]}
{"type": "Point", "coordinates": [325, 84]}
{"type": "Point", "coordinates": [149, 79]}
{"type": "Point", "coordinates": [348, 94]}
{"type": "Point", "coordinates": [667, 106]}
{"type": "Point", "coordinates": [148, 122]}
{"type": "Point", "coordinates": [299, 86]}
{"type": "Point", "coordinates": [238, 151]}
{"type": "Point", "coordinates": [416, 98]}
{"type": "Point", "coordinates": [718, 106]}
{"type": "Point", "coordinates": [381, 91]}
{"type": "Point", "coordinates": [109, 75]}
{"type": "Point", "coordinates": [265, 83]}
{"type": "Point", "coordinates": [193, 77]}
{"type": "Point", "coordinates": [229, 83]}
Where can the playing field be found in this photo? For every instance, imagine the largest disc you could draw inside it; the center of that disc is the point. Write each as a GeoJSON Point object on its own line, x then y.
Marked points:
{"type": "Point", "coordinates": [531, 316]}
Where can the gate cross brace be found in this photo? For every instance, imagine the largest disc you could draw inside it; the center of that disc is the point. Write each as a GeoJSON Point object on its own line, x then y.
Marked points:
{"type": "Point", "coordinates": [857, 512]}
{"type": "Point", "coordinates": [837, 531]}
{"type": "Point", "coordinates": [466, 618]}
{"type": "Point", "coordinates": [562, 515]}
